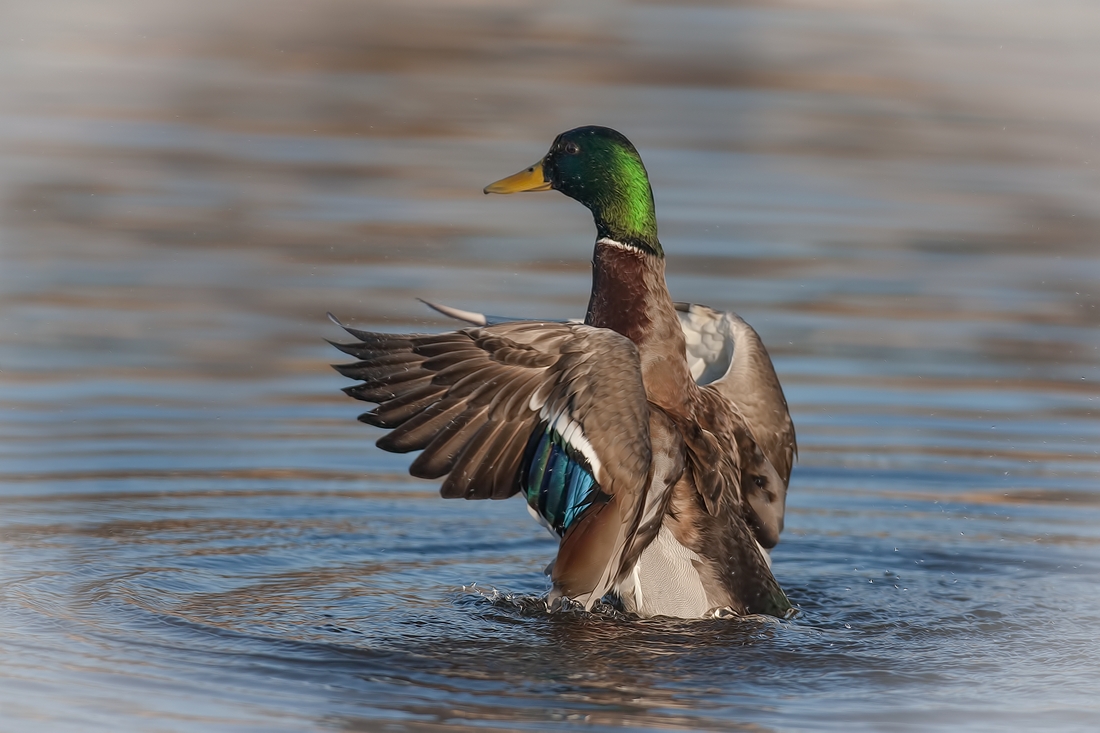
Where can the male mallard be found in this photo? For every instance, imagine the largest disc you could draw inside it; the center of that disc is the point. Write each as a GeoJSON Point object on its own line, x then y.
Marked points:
{"type": "Point", "coordinates": [663, 492]}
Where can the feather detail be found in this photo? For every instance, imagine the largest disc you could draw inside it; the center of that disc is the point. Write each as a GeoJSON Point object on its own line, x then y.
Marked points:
{"type": "Point", "coordinates": [440, 455]}
{"type": "Point", "coordinates": [557, 478]}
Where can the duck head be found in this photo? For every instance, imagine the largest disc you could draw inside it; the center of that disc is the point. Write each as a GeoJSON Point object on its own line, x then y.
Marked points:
{"type": "Point", "coordinates": [600, 168]}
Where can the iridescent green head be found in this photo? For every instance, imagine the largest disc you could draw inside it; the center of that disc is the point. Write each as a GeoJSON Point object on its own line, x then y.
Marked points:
{"type": "Point", "coordinates": [600, 168]}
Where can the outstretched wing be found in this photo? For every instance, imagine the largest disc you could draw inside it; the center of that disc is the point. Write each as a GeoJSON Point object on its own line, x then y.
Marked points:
{"type": "Point", "coordinates": [727, 354]}
{"type": "Point", "coordinates": [552, 409]}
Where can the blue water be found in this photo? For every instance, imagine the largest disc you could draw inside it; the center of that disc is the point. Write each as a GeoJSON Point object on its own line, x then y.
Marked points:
{"type": "Point", "coordinates": [196, 534]}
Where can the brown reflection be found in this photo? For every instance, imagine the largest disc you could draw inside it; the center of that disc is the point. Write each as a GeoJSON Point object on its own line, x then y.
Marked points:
{"type": "Point", "coordinates": [310, 492]}
{"type": "Point", "coordinates": [1013, 497]}
{"type": "Point", "coordinates": [823, 449]}
{"type": "Point", "coordinates": [170, 474]}
{"type": "Point", "coordinates": [1020, 496]}
{"type": "Point", "coordinates": [957, 384]}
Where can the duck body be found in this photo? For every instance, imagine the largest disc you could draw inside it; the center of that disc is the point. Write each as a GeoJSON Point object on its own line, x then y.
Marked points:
{"type": "Point", "coordinates": [725, 353]}
{"type": "Point", "coordinates": [659, 489]}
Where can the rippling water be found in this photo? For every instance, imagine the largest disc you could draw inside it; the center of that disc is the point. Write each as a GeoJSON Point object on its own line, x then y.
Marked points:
{"type": "Point", "coordinates": [196, 534]}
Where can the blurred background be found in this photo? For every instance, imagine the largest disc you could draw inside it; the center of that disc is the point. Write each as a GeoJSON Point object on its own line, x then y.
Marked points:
{"type": "Point", "coordinates": [195, 534]}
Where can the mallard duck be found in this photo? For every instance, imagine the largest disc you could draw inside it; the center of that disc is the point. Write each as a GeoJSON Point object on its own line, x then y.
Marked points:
{"type": "Point", "coordinates": [652, 439]}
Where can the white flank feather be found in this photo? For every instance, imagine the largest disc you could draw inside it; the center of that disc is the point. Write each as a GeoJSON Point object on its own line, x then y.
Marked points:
{"type": "Point", "coordinates": [572, 434]}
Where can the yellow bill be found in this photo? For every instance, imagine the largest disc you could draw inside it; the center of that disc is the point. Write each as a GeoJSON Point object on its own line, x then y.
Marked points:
{"type": "Point", "coordinates": [529, 179]}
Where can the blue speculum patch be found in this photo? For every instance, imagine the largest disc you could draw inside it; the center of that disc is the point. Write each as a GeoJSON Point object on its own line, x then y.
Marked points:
{"type": "Point", "coordinates": [557, 479]}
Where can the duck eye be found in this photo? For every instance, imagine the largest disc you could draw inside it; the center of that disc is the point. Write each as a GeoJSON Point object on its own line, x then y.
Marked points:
{"type": "Point", "coordinates": [571, 148]}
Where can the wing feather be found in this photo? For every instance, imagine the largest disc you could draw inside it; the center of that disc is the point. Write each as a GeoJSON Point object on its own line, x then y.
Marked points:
{"type": "Point", "coordinates": [740, 368]}
{"type": "Point", "coordinates": [466, 480]}
{"type": "Point", "coordinates": [732, 360]}
{"type": "Point", "coordinates": [363, 370]}
{"type": "Point", "coordinates": [393, 412]}
{"type": "Point", "coordinates": [471, 400]}
{"type": "Point", "coordinates": [440, 455]}
{"type": "Point", "coordinates": [393, 383]}
{"type": "Point", "coordinates": [417, 432]}
{"type": "Point", "coordinates": [514, 368]}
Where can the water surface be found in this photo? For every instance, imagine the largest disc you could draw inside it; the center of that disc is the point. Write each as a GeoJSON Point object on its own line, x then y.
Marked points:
{"type": "Point", "coordinates": [197, 535]}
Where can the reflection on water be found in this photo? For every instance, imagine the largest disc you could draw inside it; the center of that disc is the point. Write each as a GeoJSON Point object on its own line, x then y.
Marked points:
{"type": "Point", "coordinates": [197, 535]}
